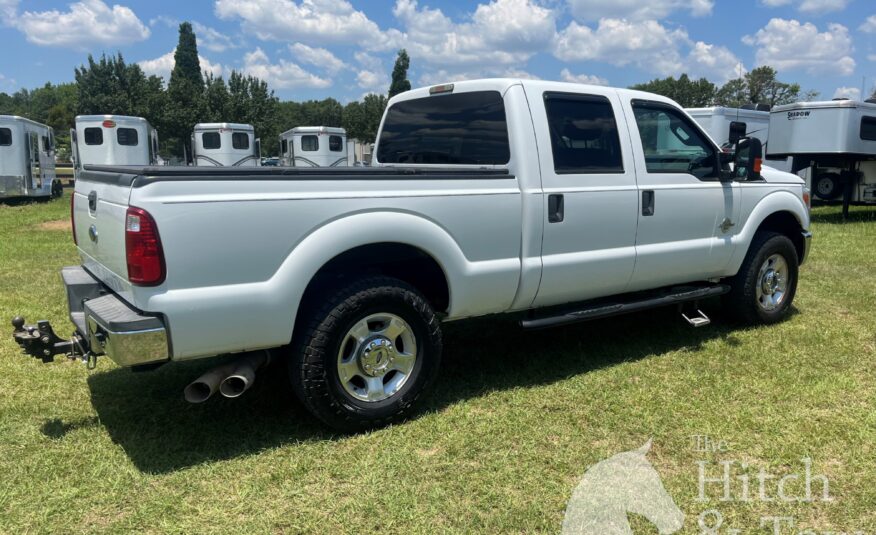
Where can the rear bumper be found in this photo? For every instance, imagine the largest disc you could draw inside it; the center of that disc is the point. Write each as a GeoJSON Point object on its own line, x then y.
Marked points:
{"type": "Point", "coordinates": [111, 326]}
{"type": "Point", "coordinates": [807, 243]}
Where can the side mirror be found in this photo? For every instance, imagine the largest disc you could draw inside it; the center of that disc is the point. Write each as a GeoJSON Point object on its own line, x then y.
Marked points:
{"type": "Point", "coordinates": [737, 131]}
{"type": "Point", "coordinates": [748, 159]}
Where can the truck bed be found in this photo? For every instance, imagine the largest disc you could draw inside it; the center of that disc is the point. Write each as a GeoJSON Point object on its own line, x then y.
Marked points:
{"type": "Point", "coordinates": [139, 176]}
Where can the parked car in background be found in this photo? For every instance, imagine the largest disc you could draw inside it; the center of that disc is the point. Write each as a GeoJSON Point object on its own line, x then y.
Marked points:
{"type": "Point", "coordinates": [555, 202]}
{"type": "Point", "coordinates": [27, 159]}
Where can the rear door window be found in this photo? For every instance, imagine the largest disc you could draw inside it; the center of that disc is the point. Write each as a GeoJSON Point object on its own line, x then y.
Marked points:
{"type": "Point", "coordinates": [127, 137]}
{"type": "Point", "coordinates": [240, 140]}
{"type": "Point", "coordinates": [93, 136]}
{"type": "Point", "coordinates": [211, 140]}
{"type": "Point", "coordinates": [336, 143]}
{"type": "Point", "coordinates": [584, 135]}
{"type": "Point", "coordinates": [868, 128]}
{"type": "Point", "coordinates": [309, 143]}
{"type": "Point", "coordinates": [462, 128]}
{"type": "Point", "coordinates": [5, 136]}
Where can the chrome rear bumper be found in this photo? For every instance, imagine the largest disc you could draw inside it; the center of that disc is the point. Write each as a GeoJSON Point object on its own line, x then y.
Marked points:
{"type": "Point", "coordinates": [111, 326]}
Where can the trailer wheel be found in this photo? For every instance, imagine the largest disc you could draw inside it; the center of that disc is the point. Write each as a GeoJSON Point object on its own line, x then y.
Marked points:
{"type": "Point", "coordinates": [764, 288]}
{"type": "Point", "coordinates": [57, 189]}
{"type": "Point", "coordinates": [366, 354]}
{"type": "Point", "coordinates": [828, 186]}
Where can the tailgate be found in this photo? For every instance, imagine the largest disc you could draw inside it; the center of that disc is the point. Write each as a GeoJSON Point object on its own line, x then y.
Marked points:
{"type": "Point", "coordinates": [99, 211]}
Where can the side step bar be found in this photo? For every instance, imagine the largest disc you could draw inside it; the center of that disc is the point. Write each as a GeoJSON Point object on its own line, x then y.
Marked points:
{"type": "Point", "coordinates": [672, 296]}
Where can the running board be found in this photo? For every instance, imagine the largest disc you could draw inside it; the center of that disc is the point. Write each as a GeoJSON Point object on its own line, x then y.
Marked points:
{"type": "Point", "coordinates": [673, 296]}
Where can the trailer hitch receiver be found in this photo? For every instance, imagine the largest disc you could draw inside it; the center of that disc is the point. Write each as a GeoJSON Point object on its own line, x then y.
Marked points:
{"type": "Point", "coordinates": [40, 341]}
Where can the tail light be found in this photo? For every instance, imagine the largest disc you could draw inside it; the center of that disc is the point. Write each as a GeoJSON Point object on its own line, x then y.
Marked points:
{"type": "Point", "coordinates": [143, 249]}
{"type": "Point", "coordinates": [73, 216]}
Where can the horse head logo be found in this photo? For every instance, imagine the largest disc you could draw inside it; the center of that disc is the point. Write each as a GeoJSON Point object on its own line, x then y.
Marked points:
{"type": "Point", "coordinates": [625, 483]}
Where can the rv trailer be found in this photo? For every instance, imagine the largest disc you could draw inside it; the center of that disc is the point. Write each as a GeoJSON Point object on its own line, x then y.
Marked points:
{"type": "Point", "coordinates": [27, 159]}
{"type": "Point", "coordinates": [314, 146]}
{"type": "Point", "coordinates": [833, 146]}
{"type": "Point", "coordinates": [113, 140]}
{"type": "Point", "coordinates": [718, 122]}
{"type": "Point", "coordinates": [225, 144]}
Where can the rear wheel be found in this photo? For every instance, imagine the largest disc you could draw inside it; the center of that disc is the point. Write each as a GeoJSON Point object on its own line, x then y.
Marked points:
{"type": "Point", "coordinates": [366, 355]}
{"type": "Point", "coordinates": [764, 288]}
{"type": "Point", "coordinates": [828, 186]}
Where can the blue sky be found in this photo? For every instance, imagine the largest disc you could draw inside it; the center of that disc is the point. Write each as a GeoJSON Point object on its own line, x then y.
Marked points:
{"type": "Point", "coordinates": [345, 49]}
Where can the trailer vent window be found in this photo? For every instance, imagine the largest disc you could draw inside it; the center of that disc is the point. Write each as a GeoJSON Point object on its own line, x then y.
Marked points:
{"type": "Point", "coordinates": [93, 136]}
{"type": "Point", "coordinates": [211, 140]}
{"type": "Point", "coordinates": [868, 128]}
{"type": "Point", "coordinates": [127, 137]}
{"type": "Point", "coordinates": [284, 146]}
{"type": "Point", "coordinates": [458, 128]}
{"type": "Point", "coordinates": [5, 137]}
{"type": "Point", "coordinates": [309, 143]}
{"type": "Point", "coordinates": [336, 143]}
{"type": "Point", "coordinates": [240, 140]}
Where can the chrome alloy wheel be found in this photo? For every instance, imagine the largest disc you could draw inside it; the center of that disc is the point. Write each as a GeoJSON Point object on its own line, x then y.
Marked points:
{"type": "Point", "coordinates": [772, 283]}
{"type": "Point", "coordinates": [376, 357]}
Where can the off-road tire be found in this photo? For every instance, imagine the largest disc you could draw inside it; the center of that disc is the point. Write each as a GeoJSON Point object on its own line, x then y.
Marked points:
{"type": "Point", "coordinates": [741, 302]}
{"type": "Point", "coordinates": [314, 352]}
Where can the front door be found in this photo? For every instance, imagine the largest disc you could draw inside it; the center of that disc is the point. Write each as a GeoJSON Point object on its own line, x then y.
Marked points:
{"type": "Point", "coordinates": [590, 196]}
{"type": "Point", "coordinates": [35, 181]}
{"type": "Point", "coordinates": [687, 216]}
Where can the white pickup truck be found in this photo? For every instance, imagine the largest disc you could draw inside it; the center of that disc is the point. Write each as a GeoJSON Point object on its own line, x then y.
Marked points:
{"type": "Point", "coordinates": [559, 202]}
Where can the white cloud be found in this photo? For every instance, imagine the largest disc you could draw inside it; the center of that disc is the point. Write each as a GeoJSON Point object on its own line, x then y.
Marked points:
{"type": "Point", "coordinates": [789, 45]}
{"type": "Point", "coordinates": [851, 93]}
{"type": "Point", "coordinates": [86, 24]}
{"type": "Point", "coordinates": [319, 57]}
{"type": "Point", "coordinates": [163, 65]}
{"type": "Point", "coordinates": [442, 76]}
{"type": "Point", "coordinates": [589, 79]}
{"type": "Point", "coordinates": [212, 39]}
{"type": "Point", "coordinates": [502, 32]}
{"type": "Point", "coordinates": [871, 57]}
{"type": "Point", "coordinates": [324, 21]}
{"type": "Point", "coordinates": [647, 45]}
{"type": "Point", "coordinates": [869, 25]}
{"type": "Point", "coordinates": [593, 10]}
{"type": "Point", "coordinates": [282, 75]}
{"type": "Point", "coordinates": [372, 75]}
{"type": "Point", "coordinates": [815, 7]}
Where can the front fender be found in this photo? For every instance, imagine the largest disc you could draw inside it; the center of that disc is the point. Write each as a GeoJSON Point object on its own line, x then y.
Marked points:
{"type": "Point", "coordinates": [772, 203]}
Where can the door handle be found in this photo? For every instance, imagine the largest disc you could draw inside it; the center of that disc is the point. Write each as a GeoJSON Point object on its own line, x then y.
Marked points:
{"type": "Point", "coordinates": [92, 201]}
{"type": "Point", "coordinates": [648, 202]}
{"type": "Point", "coordinates": [555, 208]}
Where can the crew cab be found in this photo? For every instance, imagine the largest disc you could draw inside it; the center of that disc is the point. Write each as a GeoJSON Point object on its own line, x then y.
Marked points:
{"type": "Point", "coordinates": [558, 202]}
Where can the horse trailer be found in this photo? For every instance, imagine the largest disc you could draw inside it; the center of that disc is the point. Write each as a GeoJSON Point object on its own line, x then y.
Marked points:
{"type": "Point", "coordinates": [833, 146]}
{"type": "Point", "coordinates": [719, 121]}
{"type": "Point", "coordinates": [314, 146]}
{"type": "Point", "coordinates": [225, 144]}
{"type": "Point", "coordinates": [27, 159]}
{"type": "Point", "coordinates": [113, 140]}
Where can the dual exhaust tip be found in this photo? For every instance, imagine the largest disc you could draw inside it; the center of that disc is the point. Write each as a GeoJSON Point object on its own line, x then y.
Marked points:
{"type": "Point", "coordinates": [231, 379]}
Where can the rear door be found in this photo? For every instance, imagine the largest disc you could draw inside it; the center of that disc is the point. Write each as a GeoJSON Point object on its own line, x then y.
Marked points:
{"type": "Point", "coordinates": [590, 195]}
{"type": "Point", "coordinates": [688, 216]}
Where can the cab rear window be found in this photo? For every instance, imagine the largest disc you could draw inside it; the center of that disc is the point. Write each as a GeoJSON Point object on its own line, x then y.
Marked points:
{"type": "Point", "coordinates": [460, 128]}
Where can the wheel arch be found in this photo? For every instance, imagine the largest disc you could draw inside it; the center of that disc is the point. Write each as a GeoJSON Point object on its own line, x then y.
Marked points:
{"type": "Point", "coordinates": [780, 211]}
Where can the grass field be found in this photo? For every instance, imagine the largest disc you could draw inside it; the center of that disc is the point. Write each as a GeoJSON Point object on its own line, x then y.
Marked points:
{"type": "Point", "coordinates": [512, 424]}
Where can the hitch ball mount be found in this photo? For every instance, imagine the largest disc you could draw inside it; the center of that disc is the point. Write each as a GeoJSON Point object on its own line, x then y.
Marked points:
{"type": "Point", "coordinates": [40, 341]}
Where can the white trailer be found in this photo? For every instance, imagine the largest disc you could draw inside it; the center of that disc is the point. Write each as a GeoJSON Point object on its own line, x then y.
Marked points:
{"type": "Point", "coordinates": [833, 146]}
{"type": "Point", "coordinates": [718, 122]}
{"type": "Point", "coordinates": [225, 144]}
{"type": "Point", "coordinates": [314, 146]}
{"type": "Point", "coordinates": [27, 159]}
{"type": "Point", "coordinates": [113, 140]}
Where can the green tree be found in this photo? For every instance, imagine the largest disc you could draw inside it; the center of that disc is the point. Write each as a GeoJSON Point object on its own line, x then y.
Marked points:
{"type": "Point", "coordinates": [216, 99]}
{"type": "Point", "coordinates": [362, 119]}
{"type": "Point", "coordinates": [185, 91]}
{"type": "Point", "coordinates": [688, 93]}
{"type": "Point", "coordinates": [400, 82]}
{"type": "Point", "coordinates": [760, 86]}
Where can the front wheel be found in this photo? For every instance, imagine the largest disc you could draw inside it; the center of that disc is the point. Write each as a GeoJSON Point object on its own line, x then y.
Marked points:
{"type": "Point", "coordinates": [763, 289]}
{"type": "Point", "coordinates": [366, 355]}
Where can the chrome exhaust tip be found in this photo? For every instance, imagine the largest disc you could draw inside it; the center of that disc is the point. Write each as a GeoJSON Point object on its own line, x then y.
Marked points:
{"type": "Point", "coordinates": [243, 376]}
